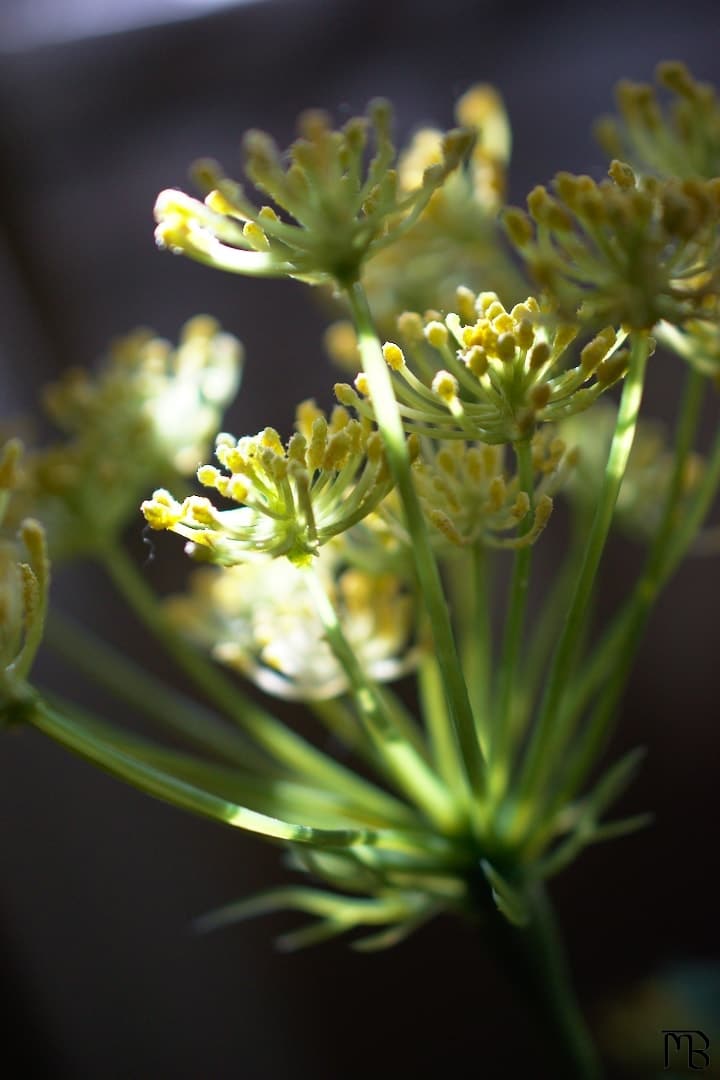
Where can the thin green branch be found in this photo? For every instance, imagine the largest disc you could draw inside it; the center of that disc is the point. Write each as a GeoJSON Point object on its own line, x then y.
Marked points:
{"type": "Point", "coordinates": [502, 726]}
{"type": "Point", "coordinates": [549, 733]}
{"type": "Point", "coordinates": [130, 682]}
{"type": "Point", "coordinates": [612, 663]}
{"type": "Point", "coordinates": [125, 765]}
{"type": "Point", "coordinates": [268, 732]}
{"type": "Point", "coordinates": [390, 424]}
{"type": "Point", "coordinates": [409, 771]}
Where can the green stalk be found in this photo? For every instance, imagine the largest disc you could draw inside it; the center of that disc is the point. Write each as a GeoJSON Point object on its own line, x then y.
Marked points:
{"type": "Point", "coordinates": [444, 751]}
{"type": "Point", "coordinates": [469, 583]}
{"type": "Point", "coordinates": [501, 730]}
{"type": "Point", "coordinates": [477, 643]}
{"type": "Point", "coordinates": [550, 618]}
{"type": "Point", "coordinates": [110, 668]}
{"type": "Point", "coordinates": [390, 425]}
{"type": "Point", "coordinates": [675, 535]}
{"type": "Point", "coordinates": [268, 732]}
{"type": "Point", "coordinates": [623, 636]}
{"type": "Point", "coordinates": [408, 769]}
{"type": "Point", "coordinates": [537, 954]}
{"type": "Point", "coordinates": [550, 731]}
{"type": "Point", "coordinates": [90, 743]}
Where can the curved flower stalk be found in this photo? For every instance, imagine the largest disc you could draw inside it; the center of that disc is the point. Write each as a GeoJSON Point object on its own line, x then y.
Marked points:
{"type": "Point", "coordinates": [149, 413]}
{"type": "Point", "coordinates": [697, 342]}
{"type": "Point", "coordinates": [261, 619]}
{"type": "Point", "coordinates": [488, 374]}
{"type": "Point", "coordinates": [337, 213]}
{"type": "Point", "coordinates": [626, 251]}
{"type": "Point", "coordinates": [24, 586]}
{"type": "Point", "coordinates": [647, 479]}
{"type": "Point", "coordinates": [296, 497]}
{"type": "Point", "coordinates": [680, 137]}
{"type": "Point", "coordinates": [457, 239]}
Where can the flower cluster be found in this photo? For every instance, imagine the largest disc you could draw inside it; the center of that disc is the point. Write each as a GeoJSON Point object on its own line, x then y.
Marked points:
{"type": "Point", "coordinates": [638, 510]}
{"type": "Point", "coordinates": [150, 412]}
{"type": "Point", "coordinates": [330, 548]}
{"type": "Point", "coordinates": [457, 239]}
{"type": "Point", "coordinates": [697, 342]}
{"type": "Point", "coordinates": [24, 584]}
{"type": "Point", "coordinates": [626, 251]}
{"type": "Point", "coordinates": [260, 618]}
{"type": "Point", "coordinates": [469, 495]}
{"type": "Point", "coordinates": [337, 213]}
{"type": "Point", "coordinates": [681, 139]}
{"type": "Point", "coordinates": [503, 372]}
{"type": "Point", "coordinates": [295, 497]}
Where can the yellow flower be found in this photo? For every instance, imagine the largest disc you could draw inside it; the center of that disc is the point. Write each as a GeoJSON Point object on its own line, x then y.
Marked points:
{"type": "Point", "coordinates": [149, 414]}
{"type": "Point", "coordinates": [335, 214]}
{"type": "Point", "coordinates": [294, 497]}
{"type": "Point", "coordinates": [626, 251]}
{"type": "Point", "coordinates": [469, 495]}
{"type": "Point", "coordinates": [261, 619]}
{"type": "Point", "coordinates": [457, 239]}
{"type": "Point", "coordinates": [640, 504]}
{"type": "Point", "coordinates": [680, 139]}
{"type": "Point", "coordinates": [487, 374]}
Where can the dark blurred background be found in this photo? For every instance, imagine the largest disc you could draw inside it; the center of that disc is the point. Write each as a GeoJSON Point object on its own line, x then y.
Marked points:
{"type": "Point", "coordinates": [99, 883]}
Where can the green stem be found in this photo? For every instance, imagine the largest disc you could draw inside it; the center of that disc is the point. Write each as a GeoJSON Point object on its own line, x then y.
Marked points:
{"type": "Point", "coordinates": [135, 685]}
{"type": "Point", "coordinates": [92, 742]}
{"type": "Point", "coordinates": [550, 733]}
{"type": "Point", "coordinates": [443, 745]}
{"type": "Point", "coordinates": [620, 641]}
{"type": "Point", "coordinates": [268, 732]}
{"type": "Point", "coordinates": [477, 643]}
{"type": "Point", "coordinates": [407, 768]}
{"type": "Point", "coordinates": [390, 425]}
{"type": "Point", "coordinates": [675, 534]}
{"type": "Point", "coordinates": [500, 748]}
{"type": "Point", "coordinates": [539, 951]}
{"type": "Point", "coordinates": [549, 621]}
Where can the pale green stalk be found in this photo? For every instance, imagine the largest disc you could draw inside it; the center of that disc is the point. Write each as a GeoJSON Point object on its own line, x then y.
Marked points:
{"type": "Point", "coordinates": [546, 629]}
{"type": "Point", "coordinates": [408, 769]}
{"type": "Point", "coordinates": [469, 579]}
{"type": "Point", "coordinates": [268, 732]}
{"type": "Point", "coordinates": [125, 765]}
{"type": "Point", "coordinates": [672, 541]}
{"type": "Point", "coordinates": [390, 424]}
{"type": "Point", "coordinates": [443, 745]}
{"type": "Point", "coordinates": [130, 682]}
{"type": "Point", "coordinates": [502, 726]}
{"type": "Point", "coordinates": [550, 732]}
{"type": "Point", "coordinates": [621, 639]}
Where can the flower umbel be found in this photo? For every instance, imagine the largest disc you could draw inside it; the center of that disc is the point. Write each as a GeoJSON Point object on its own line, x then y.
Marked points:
{"type": "Point", "coordinates": [457, 239]}
{"type": "Point", "coordinates": [24, 584]}
{"type": "Point", "coordinates": [680, 139]}
{"type": "Point", "coordinates": [150, 412]}
{"type": "Point", "coordinates": [626, 251]}
{"type": "Point", "coordinates": [489, 374]}
{"type": "Point", "coordinates": [469, 497]}
{"type": "Point", "coordinates": [639, 506]}
{"type": "Point", "coordinates": [338, 213]}
{"type": "Point", "coordinates": [260, 618]}
{"type": "Point", "coordinates": [296, 497]}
